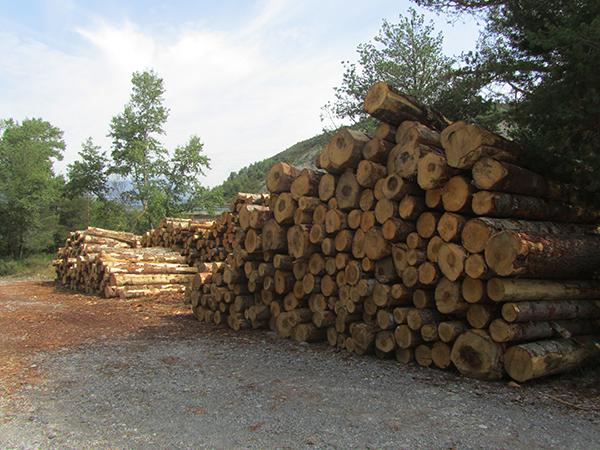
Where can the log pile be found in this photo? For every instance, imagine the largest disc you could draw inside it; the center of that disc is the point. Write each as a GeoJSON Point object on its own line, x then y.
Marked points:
{"type": "Point", "coordinates": [425, 242]}
{"type": "Point", "coordinates": [113, 264]}
{"type": "Point", "coordinates": [204, 241]}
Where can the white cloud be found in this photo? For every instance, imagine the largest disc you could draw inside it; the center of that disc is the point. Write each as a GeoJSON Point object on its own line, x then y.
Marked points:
{"type": "Point", "coordinates": [249, 91]}
{"type": "Point", "coordinates": [241, 93]}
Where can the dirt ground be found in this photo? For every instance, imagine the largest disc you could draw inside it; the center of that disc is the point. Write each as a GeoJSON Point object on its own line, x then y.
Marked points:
{"type": "Point", "coordinates": [82, 371]}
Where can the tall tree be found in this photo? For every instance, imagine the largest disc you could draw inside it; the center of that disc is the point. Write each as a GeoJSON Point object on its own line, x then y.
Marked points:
{"type": "Point", "coordinates": [409, 55]}
{"type": "Point", "coordinates": [29, 189]}
{"type": "Point", "coordinates": [137, 152]}
{"type": "Point", "coordinates": [158, 180]}
{"type": "Point", "coordinates": [544, 56]}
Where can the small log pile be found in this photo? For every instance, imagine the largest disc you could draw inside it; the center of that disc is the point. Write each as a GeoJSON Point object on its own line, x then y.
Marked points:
{"type": "Point", "coordinates": [425, 242]}
{"type": "Point", "coordinates": [204, 241]}
{"type": "Point", "coordinates": [112, 264]}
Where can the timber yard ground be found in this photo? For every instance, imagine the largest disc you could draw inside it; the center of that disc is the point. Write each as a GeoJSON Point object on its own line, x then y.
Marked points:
{"type": "Point", "coordinates": [82, 371]}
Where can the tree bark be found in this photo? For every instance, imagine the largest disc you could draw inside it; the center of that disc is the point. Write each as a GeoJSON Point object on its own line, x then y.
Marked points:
{"type": "Point", "coordinates": [518, 290]}
{"type": "Point", "coordinates": [550, 310]}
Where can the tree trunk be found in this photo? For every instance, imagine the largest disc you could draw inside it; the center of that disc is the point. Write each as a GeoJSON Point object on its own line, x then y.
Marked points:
{"type": "Point", "coordinates": [448, 298]}
{"type": "Point", "coordinates": [306, 184]}
{"type": "Point", "coordinates": [541, 310]}
{"type": "Point", "coordinates": [368, 172]}
{"type": "Point", "coordinates": [411, 207]}
{"type": "Point", "coordinates": [433, 171]}
{"type": "Point", "coordinates": [518, 290]}
{"type": "Point", "coordinates": [502, 331]}
{"type": "Point", "coordinates": [388, 105]}
{"type": "Point", "coordinates": [542, 256]}
{"type": "Point", "coordinates": [476, 232]}
{"type": "Point", "coordinates": [538, 359]}
{"type": "Point", "coordinates": [465, 144]}
{"type": "Point", "coordinates": [347, 191]}
{"type": "Point", "coordinates": [498, 204]}
{"type": "Point", "coordinates": [476, 355]}
{"type": "Point", "coordinates": [345, 150]}
{"type": "Point", "coordinates": [395, 187]}
{"type": "Point", "coordinates": [448, 331]}
{"type": "Point", "coordinates": [377, 149]}
{"type": "Point", "coordinates": [451, 260]}
{"type": "Point", "coordinates": [450, 226]}
{"type": "Point", "coordinates": [280, 177]}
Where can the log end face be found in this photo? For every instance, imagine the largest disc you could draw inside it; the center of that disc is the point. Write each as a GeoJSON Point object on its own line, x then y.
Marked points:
{"type": "Point", "coordinates": [475, 355]}
{"type": "Point", "coordinates": [501, 252]}
{"type": "Point", "coordinates": [495, 289]}
{"type": "Point", "coordinates": [475, 234]}
{"type": "Point", "coordinates": [518, 364]}
{"type": "Point", "coordinates": [375, 98]}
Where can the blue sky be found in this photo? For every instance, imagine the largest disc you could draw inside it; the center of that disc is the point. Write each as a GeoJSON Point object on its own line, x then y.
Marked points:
{"type": "Point", "coordinates": [248, 77]}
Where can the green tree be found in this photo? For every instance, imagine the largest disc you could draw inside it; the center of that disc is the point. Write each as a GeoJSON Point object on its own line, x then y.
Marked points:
{"type": "Point", "coordinates": [409, 56]}
{"type": "Point", "coordinates": [158, 182]}
{"type": "Point", "coordinates": [88, 175]}
{"type": "Point", "coordinates": [543, 56]}
{"type": "Point", "coordinates": [29, 189]}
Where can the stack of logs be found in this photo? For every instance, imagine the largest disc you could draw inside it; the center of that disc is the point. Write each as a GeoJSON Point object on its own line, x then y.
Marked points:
{"type": "Point", "coordinates": [202, 241]}
{"type": "Point", "coordinates": [426, 242]}
{"type": "Point", "coordinates": [111, 263]}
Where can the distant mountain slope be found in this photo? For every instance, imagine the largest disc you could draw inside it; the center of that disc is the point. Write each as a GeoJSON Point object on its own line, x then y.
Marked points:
{"type": "Point", "coordinates": [252, 177]}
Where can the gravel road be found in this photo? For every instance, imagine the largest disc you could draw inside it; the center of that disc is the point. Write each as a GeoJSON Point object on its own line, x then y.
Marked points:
{"type": "Point", "coordinates": [180, 384]}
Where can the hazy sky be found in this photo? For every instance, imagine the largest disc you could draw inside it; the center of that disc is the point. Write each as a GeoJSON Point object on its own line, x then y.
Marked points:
{"type": "Point", "coordinates": [248, 77]}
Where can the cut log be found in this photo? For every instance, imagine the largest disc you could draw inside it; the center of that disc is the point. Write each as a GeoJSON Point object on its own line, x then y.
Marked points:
{"type": "Point", "coordinates": [476, 355]}
{"type": "Point", "coordinates": [411, 207]}
{"type": "Point", "coordinates": [457, 194]}
{"type": "Point", "coordinates": [440, 354]}
{"type": "Point", "coordinates": [541, 256]}
{"type": "Point", "coordinates": [326, 187]}
{"type": "Point", "coordinates": [386, 132]}
{"type": "Point", "coordinates": [368, 172]}
{"type": "Point", "coordinates": [448, 331]}
{"type": "Point", "coordinates": [480, 316]}
{"type": "Point", "coordinates": [448, 298]}
{"type": "Point", "coordinates": [428, 273]}
{"type": "Point", "coordinates": [366, 201]}
{"type": "Point", "coordinates": [475, 266]}
{"type": "Point", "coordinates": [377, 150]}
{"type": "Point", "coordinates": [414, 131]}
{"type": "Point", "coordinates": [538, 359]}
{"type": "Point", "coordinates": [450, 226]}
{"type": "Point", "coordinates": [367, 220]}
{"type": "Point", "coordinates": [395, 187]}
{"type": "Point", "coordinates": [413, 240]}
{"type": "Point", "coordinates": [451, 260]}
{"type": "Point", "coordinates": [376, 246]}
{"type": "Point", "coordinates": [473, 290]}
{"type": "Point", "coordinates": [385, 209]}
{"type": "Point", "coordinates": [384, 341]}
{"type": "Point", "coordinates": [396, 230]}
{"type": "Point", "coordinates": [478, 231]}
{"type": "Point", "coordinates": [335, 220]}
{"type": "Point", "coordinates": [498, 204]}
{"type": "Point", "coordinates": [433, 248]}
{"type": "Point", "coordinates": [433, 198]}
{"type": "Point", "coordinates": [347, 191]}
{"type": "Point", "coordinates": [423, 355]}
{"type": "Point", "coordinates": [389, 105]}
{"type": "Point", "coordinates": [345, 150]}
{"type": "Point", "coordinates": [407, 338]}
{"type": "Point", "coordinates": [502, 331]}
{"type": "Point", "coordinates": [285, 207]}
{"type": "Point", "coordinates": [280, 177]}
{"type": "Point", "coordinates": [404, 159]}
{"type": "Point", "coordinates": [433, 171]}
{"type": "Point", "coordinates": [427, 224]}
{"type": "Point", "coordinates": [517, 290]}
{"type": "Point", "coordinates": [492, 175]}
{"type": "Point", "coordinates": [306, 184]}
{"type": "Point", "coordinates": [423, 299]}
{"type": "Point", "coordinates": [129, 279]}
{"type": "Point", "coordinates": [465, 144]}
{"type": "Point", "coordinates": [550, 310]}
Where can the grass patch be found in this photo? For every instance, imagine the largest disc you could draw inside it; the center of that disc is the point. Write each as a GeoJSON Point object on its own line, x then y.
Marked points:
{"type": "Point", "coordinates": [34, 265]}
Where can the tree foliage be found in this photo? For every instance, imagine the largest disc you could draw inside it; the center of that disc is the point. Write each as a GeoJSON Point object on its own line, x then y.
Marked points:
{"type": "Point", "coordinates": [544, 56]}
{"type": "Point", "coordinates": [29, 189]}
{"type": "Point", "coordinates": [160, 183]}
{"type": "Point", "coordinates": [88, 175]}
{"type": "Point", "coordinates": [409, 55]}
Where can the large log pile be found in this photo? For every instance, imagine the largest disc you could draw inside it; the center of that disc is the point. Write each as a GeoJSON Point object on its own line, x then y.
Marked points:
{"type": "Point", "coordinates": [113, 264]}
{"type": "Point", "coordinates": [426, 242]}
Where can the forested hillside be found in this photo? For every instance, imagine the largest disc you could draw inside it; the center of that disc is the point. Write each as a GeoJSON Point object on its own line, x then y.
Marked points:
{"type": "Point", "coordinates": [252, 177]}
